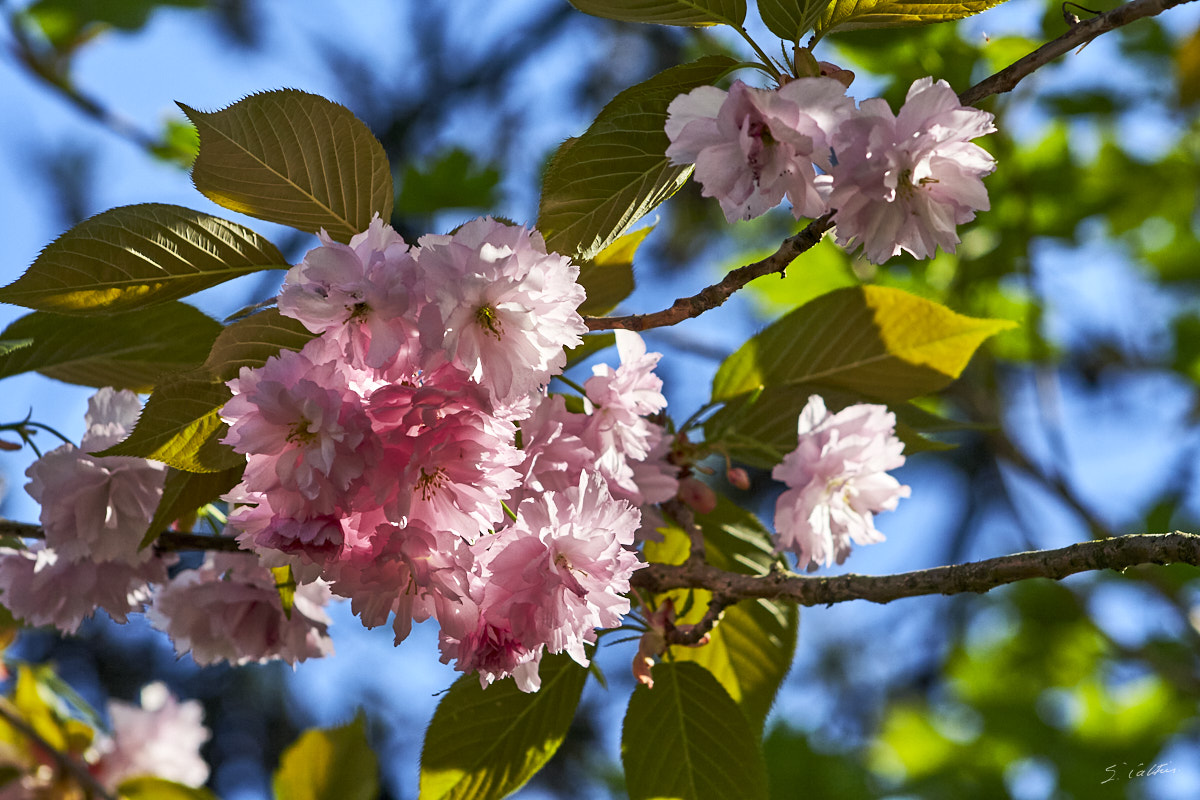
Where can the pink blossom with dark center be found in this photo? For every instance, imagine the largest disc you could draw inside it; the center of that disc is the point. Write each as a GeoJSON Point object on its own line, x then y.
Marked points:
{"type": "Point", "coordinates": [753, 146]}
{"type": "Point", "coordinates": [904, 182]}
{"type": "Point", "coordinates": [500, 306]}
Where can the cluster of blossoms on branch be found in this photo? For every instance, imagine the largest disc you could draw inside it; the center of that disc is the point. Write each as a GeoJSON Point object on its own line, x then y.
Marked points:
{"type": "Point", "coordinates": [409, 458]}
{"type": "Point", "coordinates": [894, 182]}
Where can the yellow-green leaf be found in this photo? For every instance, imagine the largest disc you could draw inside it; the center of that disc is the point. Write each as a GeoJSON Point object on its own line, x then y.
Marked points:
{"type": "Point", "coordinates": [608, 278]}
{"type": "Point", "coordinates": [849, 15]}
{"type": "Point", "coordinates": [685, 739]}
{"type": "Point", "coordinates": [294, 158]}
{"type": "Point", "coordinates": [181, 426]}
{"type": "Point", "coordinates": [135, 256]}
{"type": "Point", "coordinates": [335, 764]}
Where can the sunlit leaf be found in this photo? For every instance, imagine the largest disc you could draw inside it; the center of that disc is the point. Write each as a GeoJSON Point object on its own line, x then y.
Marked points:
{"type": "Point", "coordinates": [858, 344]}
{"type": "Point", "coordinates": [668, 12]}
{"type": "Point", "coordinates": [147, 788]}
{"type": "Point", "coordinates": [687, 739]}
{"type": "Point", "coordinates": [750, 650]}
{"type": "Point", "coordinates": [848, 15]}
{"type": "Point", "coordinates": [126, 351]}
{"type": "Point", "coordinates": [598, 185]}
{"type": "Point", "coordinates": [181, 426]}
{"type": "Point", "coordinates": [336, 764]}
{"type": "Point", "coordinates": [136, 256]}
{"type": "Point", "coordinates": [484, 744]}
{"type": "Point", "coordinates": [608, 278]}
{"type": "Point", "coordinates": [294, 158]}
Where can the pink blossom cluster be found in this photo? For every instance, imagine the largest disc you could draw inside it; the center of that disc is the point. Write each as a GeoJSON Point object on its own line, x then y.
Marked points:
{"type": "Point", "coordinates": [95, 512]}
{"type": "Point", "coordinates": [894, 182]}
{"type": "Point", "coordinates": [837, 479]}
{"type": "Point", "coordinates": [410, 456]}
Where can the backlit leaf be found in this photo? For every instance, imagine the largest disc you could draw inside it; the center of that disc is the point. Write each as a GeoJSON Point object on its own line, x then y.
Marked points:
{"type": "Point", "coordinates": [608, 278]}
{"type": "Point", "coordinates": [252, 340]}
{"type": "Point", "coordinates": [294, 158]}
{"type": "Point", "coordinates": [185, 492]}
{"type": "Point", "coordinates": [849, 15]}
{"type": "Point", "coordinates": [686, 739]}
{"type": "Point", "coordinates": [136, 256]}
{"type": "Point", "coordinates": [181, 426]}
{"type": "Point", "coordinates": [598, 185]}
{"type": "Point", "coordinates": [335, 764]}
{"type": "Point", "coordinates": [750, 650]}
{"type": "Point", "coordinates": [791, 19]}
{"type": "Point", "coordinates": [484, 744]}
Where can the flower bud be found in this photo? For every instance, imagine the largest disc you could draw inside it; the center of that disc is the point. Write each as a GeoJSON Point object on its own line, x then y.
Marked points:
{"type": "Point", "coordinates": [843, 76]}
{"type": "Point", "coordinates": [738, 478]}
{"type": "Point", "coordinates": [698, 495]}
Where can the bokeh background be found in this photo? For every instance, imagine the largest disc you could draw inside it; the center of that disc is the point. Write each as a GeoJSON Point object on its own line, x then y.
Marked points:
{"type": "Point", "coordinates": [1081, 424]}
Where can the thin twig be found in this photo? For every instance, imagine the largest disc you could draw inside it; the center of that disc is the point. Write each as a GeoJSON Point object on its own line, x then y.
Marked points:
{"type": "Point", "coordinates": [718, 293]}
{"type": "Point", "coordinates": [1117, 553]}
{"type": "Point", "coordinates": [167, 542]}
{"type": "Point", "coordinates": [1079, 34]}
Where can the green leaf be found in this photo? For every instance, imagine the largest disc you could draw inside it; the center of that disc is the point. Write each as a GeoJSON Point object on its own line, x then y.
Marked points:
{"type": "Point", "coordinates": [63, 21]}
{"type": "Point", "coordinates": [178, 144]}
{"type": "Point", "coordinates": [863, 343]}
{"type": "Point", "coordinates": [750, 650]}
{"type": "Point", "coordinates": [668, 12]}
{"type": "Point", "coordinates": [608, 278]}
{"type": "Point", "coordinates": [181, 426]}
{"type": "Point", "coordinates": [686, 739]}
{"type": "Point", "coordinates": [285, 584]}
{"type": "Point", "coordinates": [335, 764]}
{"type": "Point", "coordinates": [136, 256]}
{"type": "Point", "coordinates": [126, 351]}
{"type": "Point", "coordinates": [849, 15]}
{"type": "Point", "coordinates": [453, 180]}
{"type": "Point", "coordinates": [252, 340]}
{"type": "Point", "coordinates": [592, 343]}
{"type": "Point", "coordinates": [598, 185]}
{"type": "Point", "coordinates": [185, 492]}
{"type": "Point", "coordinates": [791, 19]}
{"type": "Point", "coordinates": [294, 158]}
{"type": "Point", "coordinates": [486, 743]}
{"type": "Point", "coordinates": [878, 342]}
{"type": "Point", "coordinates": [146, 788]}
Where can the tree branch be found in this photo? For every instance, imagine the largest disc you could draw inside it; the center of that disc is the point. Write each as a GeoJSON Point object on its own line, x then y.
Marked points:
{"type": "Point", "coordinates": [1078, 35]}
{"type": "Point", "coordinates": [167, 541]}
{"type": "Point", "coordinates": [718, 293]}
{"type": "Point", "coordinates": [1117, 553]}
{"type": "Point", "coordinates": [1003, 81]}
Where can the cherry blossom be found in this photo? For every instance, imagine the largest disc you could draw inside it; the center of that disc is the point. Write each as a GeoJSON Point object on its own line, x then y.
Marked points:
{"type": "Point", "coordinates": [230, 610]}
{"type": "Point", "coordinates": [905, 181]}
{"type": "Point", "coordinates": [161, 737]}
{"type": "Point", "coordinates": [358, 293]}
{"type": "Point", "coordinates": [42, 587]}
{"type": "Point", "coordinates": [92, 506]}
{"type": "Point", "coordinates": [753, 146]}
{"type": "Point", "coordinates": [500, 306]}
{"type": "Point", "coordinates": [837, 479]}
{"type": "Point", "coordinates": [548, 580]}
